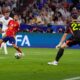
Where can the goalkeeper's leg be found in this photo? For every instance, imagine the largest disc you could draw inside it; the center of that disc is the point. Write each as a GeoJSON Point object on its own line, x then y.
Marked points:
{"type": "Point", "coordinates": [59, 54]}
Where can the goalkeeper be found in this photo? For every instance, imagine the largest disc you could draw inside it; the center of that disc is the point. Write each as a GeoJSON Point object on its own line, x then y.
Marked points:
{"type": "Point", "coordinates": [74, 28]}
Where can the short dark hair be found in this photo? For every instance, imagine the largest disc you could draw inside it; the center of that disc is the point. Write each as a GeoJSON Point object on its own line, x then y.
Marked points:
{"type": "Point", "coordinates": [16, 14]}
{"type": "Point", "coordinates": [74, 16]}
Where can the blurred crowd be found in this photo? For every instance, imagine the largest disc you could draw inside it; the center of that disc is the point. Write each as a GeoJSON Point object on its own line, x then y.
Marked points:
{"type": "Point", "coordinates": [43, 12]}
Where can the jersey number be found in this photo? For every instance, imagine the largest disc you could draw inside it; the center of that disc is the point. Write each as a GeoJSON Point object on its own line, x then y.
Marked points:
{"type": "Point", "coordinates": [75, 26]}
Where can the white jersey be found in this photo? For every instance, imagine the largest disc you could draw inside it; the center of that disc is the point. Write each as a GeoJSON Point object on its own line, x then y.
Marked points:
{"type": "Point", "coordinates": [5, 22]}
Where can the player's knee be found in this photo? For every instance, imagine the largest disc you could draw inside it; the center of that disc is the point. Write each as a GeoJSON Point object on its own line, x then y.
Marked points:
{"type": "Point", "coordinates": [64, 45]}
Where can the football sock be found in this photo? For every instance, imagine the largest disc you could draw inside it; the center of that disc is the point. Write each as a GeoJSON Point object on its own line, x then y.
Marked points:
{"type": "Point", "coordinates": [59, 54]}
{"type": "Point", "coordinates": [3, 45]}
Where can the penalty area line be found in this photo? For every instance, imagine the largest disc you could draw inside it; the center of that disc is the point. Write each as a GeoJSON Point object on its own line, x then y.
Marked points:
{"type": "Point", "coordinates": [74, 78]}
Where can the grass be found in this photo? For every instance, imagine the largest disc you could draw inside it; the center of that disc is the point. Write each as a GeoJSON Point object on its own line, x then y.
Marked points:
{"type": "Point", "coordinates": [33, 66]}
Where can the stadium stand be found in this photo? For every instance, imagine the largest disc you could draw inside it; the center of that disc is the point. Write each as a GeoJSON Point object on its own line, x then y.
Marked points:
{"type": "Point", "coordinates": [43, 15]}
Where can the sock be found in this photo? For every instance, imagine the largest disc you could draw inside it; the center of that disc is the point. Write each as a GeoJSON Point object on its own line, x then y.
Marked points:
{"type": "Point", "coordinates": [59, 54]}
{"type": "Point", "coordinates": [5, 48]}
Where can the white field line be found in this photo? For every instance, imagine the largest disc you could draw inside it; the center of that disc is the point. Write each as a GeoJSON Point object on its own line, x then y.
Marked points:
{"type": "Point", "coordinates": [74, 78]}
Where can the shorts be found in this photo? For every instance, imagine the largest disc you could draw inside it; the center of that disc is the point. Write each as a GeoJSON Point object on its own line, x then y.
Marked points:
{"type": "Point", "coordinates": [10, 39]}
{"type": "Point", "coordinates": [72, 41]}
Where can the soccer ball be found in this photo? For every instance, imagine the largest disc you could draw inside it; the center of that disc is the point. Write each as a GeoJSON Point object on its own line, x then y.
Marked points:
{"type": "Point", "coordinates": [18, 55]}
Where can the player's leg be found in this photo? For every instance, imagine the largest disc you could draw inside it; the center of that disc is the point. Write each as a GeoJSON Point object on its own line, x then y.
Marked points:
{"type": "Point", "coordinates": [70, 42]}
{"type": "Point", "coordinates": [1, 41]}
{"type": "Point", "coordinates": [12, 41]}
{"type": "Point", "coordinates": [17, 48]}
{"type": "Point", "coordinates": [60, 52]}
{"type": "Point", "coordinates": [3, 45]}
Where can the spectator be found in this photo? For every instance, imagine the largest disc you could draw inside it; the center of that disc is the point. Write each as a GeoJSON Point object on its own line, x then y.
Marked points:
{"type": "Point", "coordinates": [60, 21]}
{"type": "Point", "coordinates": [42, 12]}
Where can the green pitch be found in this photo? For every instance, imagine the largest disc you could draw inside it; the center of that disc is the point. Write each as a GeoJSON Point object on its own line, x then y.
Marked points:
{"type": "Point", "coordinates": [33, 66]}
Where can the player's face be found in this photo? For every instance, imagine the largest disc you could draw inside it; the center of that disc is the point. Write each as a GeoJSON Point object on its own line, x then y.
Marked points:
{"type": "Point", "coordinates": [6, 14]}
{"type": "Point", "coordinates": [16, 17]}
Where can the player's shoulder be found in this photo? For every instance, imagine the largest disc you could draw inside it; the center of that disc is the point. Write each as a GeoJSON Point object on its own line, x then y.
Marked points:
{"type": "Point", "coordinates": [2, 17]}
{"type": "Point", "coordinates": [72, 22]}
{"type": "Point", "coordinates": [11, 22]}
{"type": "Point", "coordinates": [10, 18]}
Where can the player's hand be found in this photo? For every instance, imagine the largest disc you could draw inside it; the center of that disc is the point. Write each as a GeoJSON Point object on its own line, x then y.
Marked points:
{"type": "Point", "coordinates": [58, 46]}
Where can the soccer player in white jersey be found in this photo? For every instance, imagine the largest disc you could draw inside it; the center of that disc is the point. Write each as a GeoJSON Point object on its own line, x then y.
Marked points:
{"type": "Point", "coordinates": [5, 19]}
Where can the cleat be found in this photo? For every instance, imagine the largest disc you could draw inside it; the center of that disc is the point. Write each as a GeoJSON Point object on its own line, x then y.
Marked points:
{"type": "Point", "coordinates": [53, 63]}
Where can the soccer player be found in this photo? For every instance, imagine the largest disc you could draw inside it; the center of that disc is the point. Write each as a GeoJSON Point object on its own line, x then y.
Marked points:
{"type": "Point", "coordinates": [74, 28]}
{"type": "Point", "coordinates": [13, 28]}
{"type": "Point", "coordinates": [5, 20]}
